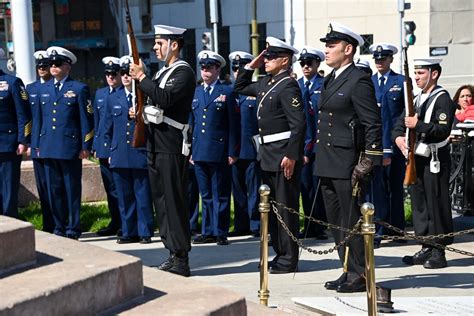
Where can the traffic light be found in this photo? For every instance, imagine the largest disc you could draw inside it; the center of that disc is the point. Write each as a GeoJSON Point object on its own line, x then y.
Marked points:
{"type": "Point", "coordinates": [410, 28]}
{"type": "Point", "coordinates": [206, 41]}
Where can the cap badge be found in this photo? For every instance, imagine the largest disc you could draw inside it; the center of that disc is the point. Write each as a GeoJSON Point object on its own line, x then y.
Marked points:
{"type": "Point", "coordinates": [303, 51]}
{"type": "Point", "coordinates": [205, 55]}
{"type": "Point", "coordinates": [379, 49]}
{"type": "Point", "coordinates": [267, 45]}
{"type": "Point", "coordinates": [329, 28]}
{"type": "Point", "coordinates": [237, 57]}
{"type": "Point", "coordinates": [40, 56]}
{"type": "Point", "coordinates": [54, 52]}
{"type": "Point", "coordinates": [442, 116]}
{"type": "Point", "coordinates": [110, 63]}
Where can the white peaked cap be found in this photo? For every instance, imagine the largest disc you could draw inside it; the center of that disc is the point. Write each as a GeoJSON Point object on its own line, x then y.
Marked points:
{"type": "Point", "coordinates": [338, 31]}
{"type": "Point", "coordinates": [311, 52]}
{"type": "Point", "coordinates": [124, 60]}
{"type": "Point", "coordinates": [210, 57]}
{"type": "Point", "coordinates": [166, 30]}
{"type": "Point", "coordinates": [111, 60]}
{"type": "Point", "coordinates": [426, 62]}
{"type": "Point", "coordinates": [276, 45]}
{"type": "Point", "coordinates": [237, 55]}
{"type": "Point", "coordinates": [39, 54]}
{"type": "Point", "coordinates": [55, 51]}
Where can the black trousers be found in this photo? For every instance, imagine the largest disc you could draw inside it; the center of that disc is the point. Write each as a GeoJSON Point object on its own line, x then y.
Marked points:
{"type": "Point", "coordinates": [430, 198]}
{"type": "Point", "coordinates": [168, 181]}
{"type": "Point", "coordinates": [286, 192]}
{"type": "Point", "coordinates": [342, 210]}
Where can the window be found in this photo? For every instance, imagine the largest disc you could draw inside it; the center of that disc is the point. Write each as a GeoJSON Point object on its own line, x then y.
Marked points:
{"type": "Point", "coordinates": [368, 40]}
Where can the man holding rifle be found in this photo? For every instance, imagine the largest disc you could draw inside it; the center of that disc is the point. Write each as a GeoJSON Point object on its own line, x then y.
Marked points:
{"type": "Point", "coordinates": [430, 193]}
{"type": "Point", "coordinates": [170, 94]}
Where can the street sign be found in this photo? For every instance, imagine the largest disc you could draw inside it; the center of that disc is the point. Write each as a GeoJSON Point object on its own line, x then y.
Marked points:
{"type": "Point", "coordinates": [439, 51]}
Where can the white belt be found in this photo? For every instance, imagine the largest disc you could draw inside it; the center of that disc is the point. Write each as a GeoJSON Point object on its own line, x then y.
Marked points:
{"type": "Point", "coordinates": [274, 137]}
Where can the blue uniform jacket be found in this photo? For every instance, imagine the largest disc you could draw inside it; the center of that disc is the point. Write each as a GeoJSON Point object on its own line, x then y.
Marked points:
{"type": "Point", "coordinates": [33, 96]}
{"type": "Point", "coordinates": [15, 114]}
{"type": "Point", "coordinates": [215, 125]}
{"type": "Point", "coordinates": [100, 146]}
{"type": "Point", "coordinates": [311, 112]}
{"type": "Point", "coordinates": [392, 103]}
{"type": "Point", "coordinates": [118, 131]}
{"type": "Point", "coordinates": [67, 123]}
{"type": "Point", "coordinates": [247, 106]}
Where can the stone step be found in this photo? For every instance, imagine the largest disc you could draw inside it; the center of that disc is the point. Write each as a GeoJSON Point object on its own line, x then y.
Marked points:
{"type": "Point", "coordinates": [17, 244]}
{"type": "Point", "coordinates": [70, 277]}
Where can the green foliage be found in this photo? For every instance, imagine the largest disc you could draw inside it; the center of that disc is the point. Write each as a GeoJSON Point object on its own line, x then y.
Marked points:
{"type": "Point", "coordinates": [408, 212]}
{"type": "Point", "coordinates": [94, 216]}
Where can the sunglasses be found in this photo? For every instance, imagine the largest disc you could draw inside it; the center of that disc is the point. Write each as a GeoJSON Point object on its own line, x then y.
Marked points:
{"type": "Point", "coordinates": [205, 67]}
{"type": "Point", "coordinates": [57, 63]}
{"type": "Point", "coordinates": [272, 56]}
{"type": "Point", "coordinates": [125, 72]}
{"type": "Point", "coordinates": [111, 73]}
{"type": "Point", "coordinates": [235, 67]}
{"type": "Point", "coordinates": [42, 66]}
{"type": "Point", "coordinates": [308, 63]}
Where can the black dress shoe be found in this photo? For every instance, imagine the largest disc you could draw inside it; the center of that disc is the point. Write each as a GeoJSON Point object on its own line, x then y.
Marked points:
{"type": "Point", "coordinates": [167, 264]}
{"type": "Point", "coordinates": [277, 268]}
{"type": "Point", "coordinates": [418, 258]}
{"type": "Point", "coordinates": [436, 261]}
{"type": "Point", "coordinates": [128, 240]}
{"type": "Point", "coordinates": [180, 266]}
{"type": "Point", "coordinates": [255, 233]}
{"type": "Point", "coordinates": [203, 239]}
{"type": "Point", "coordinates": [357, 285]}
{"type": "Point", "coordinates": [222, 241]}
{"type": "Point", "coordinates": [239, 233]}
{"type": "Point", "coordinates": [107, 231]}
{"type": "Point", "coordinates": [321, 235]}
{"type": "Point", "coordinates": [145, 240]}
{"type": "Point", "coordinates": [72, 236]}
{"type": "Point", "coordinates": [332, 285]}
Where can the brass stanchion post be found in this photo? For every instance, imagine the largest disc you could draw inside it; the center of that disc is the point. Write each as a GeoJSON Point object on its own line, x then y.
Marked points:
{"type": "Point", "coordinates": [368, 230]}
{"type": "Point", "coordinates": [264, 209]}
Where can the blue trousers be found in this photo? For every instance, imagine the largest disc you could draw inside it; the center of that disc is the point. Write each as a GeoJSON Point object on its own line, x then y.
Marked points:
{"type": "Point", "coordinates": [111, 193]}
{"type": "Point", "coordinates": [134, 200]}
{"type": "Point", "coordinates": [63, 180]}
{"type": "Point", "coordinates": [246, 180]}
{"type": "Point", "coordinates": [214, 181]}
{"type": "Point", "coordinates": [9, 183]}
{"type": "Point", "coordinates": [41, 186]}
{"type": "Point", "coordinates": [193, 198]}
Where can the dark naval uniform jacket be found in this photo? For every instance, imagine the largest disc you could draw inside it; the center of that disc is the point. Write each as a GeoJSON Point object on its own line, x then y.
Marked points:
{"type": "Point", "coordinates": [392, 103]}
{"type": "Point", "coordinates": [247, 106]}
{"type": "Point", "coordinates": [175, 99]}
{"type": "Point", "coordinates": [118, 132]}
{"type": "Point", "coordinates": [67, 125]}
{"type": "Point", "coordinates": [350, 123]}
{"type": "Point", "coordinates": [15, 114]}
{"type": "Point", "coordinates": [311, 112]}
{"type": "Point", "coordinates": [215, 125]}
{"type": "Point", "coordinates": [100, 146]}
{"type": "Point", "coordinates": [281, 111]}
{"type": "Point", "coordinates": [33, 90]}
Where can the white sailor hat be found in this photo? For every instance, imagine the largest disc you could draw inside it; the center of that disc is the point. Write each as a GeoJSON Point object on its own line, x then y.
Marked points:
{"type": "Point", "coordinates": [337, 31]}
{"type": "Point", "coordinates": [125, 61]}
{"type": "Point", "coordinates": [111, 63]}
{"type": "Point", "coordinates": [276, 46]}
{"type": "Point", "coordinates": [57, 53]}
{"type": "Point", "coordinates": [2, 52]}
{"type": "Point", "coordinates": [382, 50]}
{"type": "Point", "coordinates": [362, 63]}
{"type": "Point", "coordinates": [309, 52]}
{"type": "Point", "coordinates": [208, 57]}
{"type": "Point", "coordinates": [41, 58]}
{"type": "Point", "coordinates": [166, 31]}
{"type": "Point", "coordinates": [426, 62]}
{"type": "Point", "coordinates": [240, 57]}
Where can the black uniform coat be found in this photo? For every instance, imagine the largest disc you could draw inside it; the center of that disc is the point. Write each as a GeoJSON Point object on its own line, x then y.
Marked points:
{"type": "Point", "coordinates": [281, 111]}
{"type": "Point", "coordinates": [349, 122]}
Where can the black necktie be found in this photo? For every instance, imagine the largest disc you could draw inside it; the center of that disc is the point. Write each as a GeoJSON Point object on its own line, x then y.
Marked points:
{"type": "Point", "coordinates": [111, 90]}
{"type": "Point", "coordinates": [129, 100]}
{"type": "Point", "coordinates": [333, 77]}
{"type": "Point", "coordinates": [56, 87]}
{"type": "Point", "coordinates": [207, 94]}
{"type": "Point", "coordinates": [382, 83]}
{"type": "Point", "coordinates": [306, 91]}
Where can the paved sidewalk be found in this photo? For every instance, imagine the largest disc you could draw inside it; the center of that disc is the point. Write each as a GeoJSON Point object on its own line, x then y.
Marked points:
{"type": "Point", "coordinates": [235, 267]}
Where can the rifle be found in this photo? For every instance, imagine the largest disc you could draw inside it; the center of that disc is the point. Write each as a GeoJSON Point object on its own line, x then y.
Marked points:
{"type": "Point", "coordinates": [410, 172]}
{"type": "Point", "coordinates": [139, 132]}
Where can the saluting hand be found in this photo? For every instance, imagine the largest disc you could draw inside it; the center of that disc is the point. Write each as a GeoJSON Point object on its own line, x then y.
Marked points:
{"type": "Point", "coordinates": [257, 62]}
{"type": "Point", "coordinates": [402, 145]}
{"type": "Point", "coordinates": [288, 166]}
{"type": "Point", "coordinates": [136, 70]}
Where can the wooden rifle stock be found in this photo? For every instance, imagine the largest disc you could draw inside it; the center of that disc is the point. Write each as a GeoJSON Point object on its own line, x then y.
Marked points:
{"type": "Point", "coordinates": [410, 172]}
{"type": "Point", "coordinates": [139, 132]}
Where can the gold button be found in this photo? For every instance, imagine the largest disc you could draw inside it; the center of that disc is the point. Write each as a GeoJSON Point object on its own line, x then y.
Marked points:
{"type": "Point", "coordinates": [329, 134]}
{"type": "Point", "coordinates": [128, 133]}
{"type": "Point", "coordinates": [329, 145]}
{"type": "Point", "coordinates": [54, 119]}
{"type": "Point", "coordinates": [262, 93]}
{"type": "Point", "coordinates": [203, 116]}
{"type": "Point", "coordinates": [330, 114]}
{"type": "Point", "coordinates": [54, 127]}
{"type": "Point", "coordinates": [54, 111]}
{"type": "Point", "coordinates": [105, 144]}
{"type": "Point", "coordinates": [203, 131]}
{"type": "Point", "coordinates": [330, 124]}
{"type": "Point", "coordinates": [318, 131]}
{"type": "Point", "coordinates": [203, 123]}
{"type": "Point", "coordinates": [270, 98]}
{"type": "Point", "coordinates": [259, 117]}
{"type": "Point", "coordinates": [54, 103]}
{"type": "Point", "coordinates": [319, 111]}
{"type": "Point", "coordinates": [317, 141]}
{"type": "Point", "coordinates": [205, 110]}
{"type": "Point", "coordinates": [128, 142]}
{"type": "Point", "coordinates": [128, 124]}
{"type": "Point", "coordinates": [319, 121]}
{"type": "Point", "coordinates": [259, 129]}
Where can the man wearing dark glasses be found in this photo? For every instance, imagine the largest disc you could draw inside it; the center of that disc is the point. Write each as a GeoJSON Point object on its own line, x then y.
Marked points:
{"type": "Point", "coordinates": [101, 147]}
{"type": "Point", "coordinates": [65, 138]}
{"type": "Point", "coordinates": [281, 132]}
{"type": "Point", "coordinates": [246, 172]}
{"type": "Point", "coordinates": [42, 69]}
{"type": "Point", "coordinates": [310, 85]}
{"type": "Point", "coordinates": [15, 131]}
